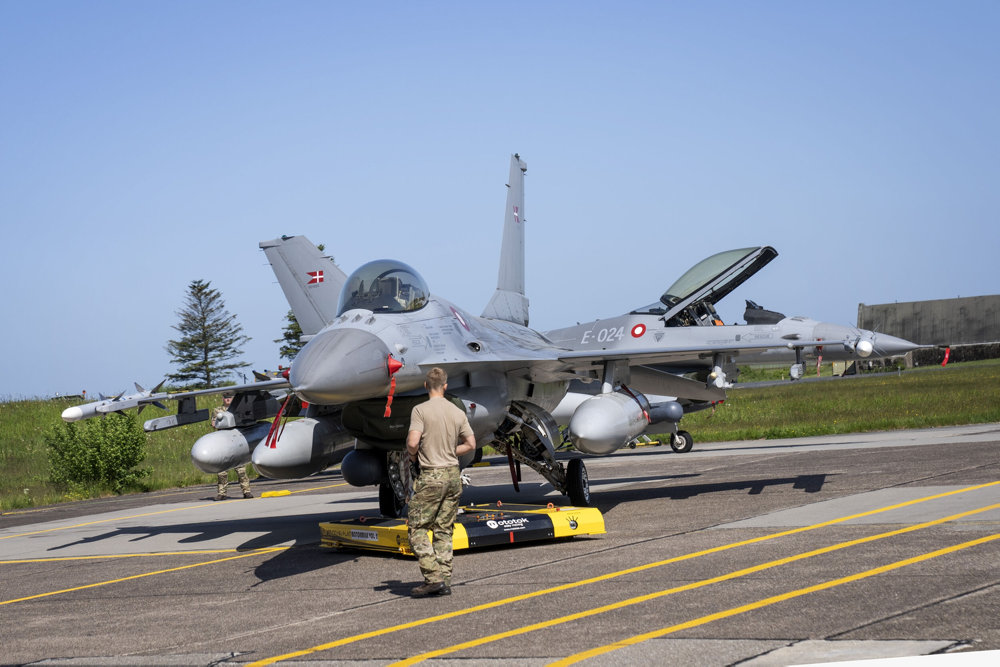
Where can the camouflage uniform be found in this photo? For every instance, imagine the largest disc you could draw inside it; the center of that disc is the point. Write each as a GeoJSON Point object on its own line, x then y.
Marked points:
{"type": "Point", "coordinates": [436, 496]}
{"type": "Point", "coordinates": [241, 472]}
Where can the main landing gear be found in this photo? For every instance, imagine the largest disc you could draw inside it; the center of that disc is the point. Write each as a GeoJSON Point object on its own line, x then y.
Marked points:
{"type": "Point", "coordinates": [393, 494]}
{"type": "Point", "coordinates": [531, 436]}
{"type": "Point", "coordinates": [577, 483]}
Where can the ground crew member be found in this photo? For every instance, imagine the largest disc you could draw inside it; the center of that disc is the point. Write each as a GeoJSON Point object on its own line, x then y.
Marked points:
{"type": "Point", "coordinates": [223, 482]}
{"type": "Point", "coordinates": [439, 433]}
{"type": "Point", "coordinates": [241, 471]}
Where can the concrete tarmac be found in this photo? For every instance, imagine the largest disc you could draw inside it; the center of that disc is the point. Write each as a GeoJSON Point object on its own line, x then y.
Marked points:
{"type": "Point", "coordinates": [759, 553]}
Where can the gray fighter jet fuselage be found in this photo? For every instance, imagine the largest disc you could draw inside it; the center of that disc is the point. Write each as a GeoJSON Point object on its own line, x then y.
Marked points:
{"type": "Point", "coordinates": [608, 382]}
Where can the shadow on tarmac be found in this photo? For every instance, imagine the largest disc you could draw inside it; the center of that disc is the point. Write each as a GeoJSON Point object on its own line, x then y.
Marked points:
{"type": "Point", "coordinates": [613, 498]}
{"type": "Point", "coordinates": [302, 559]}
{"type": "Point", "coordinates": [300, 530]}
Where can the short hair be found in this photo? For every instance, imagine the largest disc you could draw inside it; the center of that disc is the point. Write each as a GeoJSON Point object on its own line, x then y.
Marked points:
{"type": "Point", "coordinates": [436, 378]}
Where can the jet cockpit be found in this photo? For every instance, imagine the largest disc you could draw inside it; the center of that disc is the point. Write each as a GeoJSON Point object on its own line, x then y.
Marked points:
{"type": "Point", "coordinates": [691, 300]}
{"type": "Point", "coordinates": [384, 286]}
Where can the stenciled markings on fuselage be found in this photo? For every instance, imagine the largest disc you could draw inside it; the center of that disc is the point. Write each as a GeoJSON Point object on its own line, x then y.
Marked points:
{"type": "Point", "coordinates": [606, 335]}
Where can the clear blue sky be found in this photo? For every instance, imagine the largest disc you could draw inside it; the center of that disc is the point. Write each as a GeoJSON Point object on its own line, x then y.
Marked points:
{"type": "Point", "coordinates": [144, 145]}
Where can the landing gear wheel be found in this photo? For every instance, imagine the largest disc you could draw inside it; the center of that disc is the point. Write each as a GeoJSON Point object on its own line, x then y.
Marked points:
{"type": "Point", "coordinates": [681, 442]}
{"type": "Point", "coordinates": [389, 503]}
{"type": "Point", "coordinates": [577, 483]}
{"type": "Point", "coordinates": [478, 456]}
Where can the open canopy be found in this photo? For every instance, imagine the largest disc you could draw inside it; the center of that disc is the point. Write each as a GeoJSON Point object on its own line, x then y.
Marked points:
{"type": "Point", "coordinates": [692, 298]}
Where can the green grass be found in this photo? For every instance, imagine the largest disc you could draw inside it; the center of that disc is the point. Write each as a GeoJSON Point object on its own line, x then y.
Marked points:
{"type": "Point", "coordinates": [24, 468]}
{"type": "Point", "coordinates": [772, 372]}
{"type": "Point", "coordinates": [960, 394]}
{"type": "Point", "coordinates": [966, 393]}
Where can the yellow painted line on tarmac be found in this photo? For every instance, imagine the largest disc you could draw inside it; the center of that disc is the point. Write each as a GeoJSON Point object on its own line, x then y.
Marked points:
{"type": "Point", "coordinates": [199, 552]}
{"type": "Point", "coordinates": [637, 639]}
{"type": "Point", "coordinates": [257, 552]}
{"type": "Point", "coordinates": [320, 488]}
{"type": "Point", "coordinates": [604, 577]}
{"type": "Point", "coordinates": [287, 492]}
{"type": "Point", "coordinates": [94, 523]}
{"type": "Point", "coordinates": [136, 516]}
{"type": "Point", "coordinates": [686, 587]}
{"type": "Point", "coordinates": [34, 511]}
{"type": "Point", "coordinates": [58, 506]}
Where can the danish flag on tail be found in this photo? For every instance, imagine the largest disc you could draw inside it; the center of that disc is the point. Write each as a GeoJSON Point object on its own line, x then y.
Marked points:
{"type": "Point", "coordinates": [314, 277]}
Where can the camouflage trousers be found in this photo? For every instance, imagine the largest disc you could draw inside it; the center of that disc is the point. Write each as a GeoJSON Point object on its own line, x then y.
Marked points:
{"type": "Point", "coordinates": [436, 495]}
{"type": "Point", "coordinates": [241, 472]}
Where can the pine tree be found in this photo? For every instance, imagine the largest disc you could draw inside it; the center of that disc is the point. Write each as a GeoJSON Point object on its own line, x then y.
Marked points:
{"type": "Point", "coordinates": [211, 339]}
{"type": "Point", "coordinates": [290, 338]}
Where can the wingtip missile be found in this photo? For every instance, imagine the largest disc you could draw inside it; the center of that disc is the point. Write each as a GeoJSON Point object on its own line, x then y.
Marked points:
{"type": "Point", "coordinates": [75, 413]}
{"type": "Point", "coordinates": [115, 404]}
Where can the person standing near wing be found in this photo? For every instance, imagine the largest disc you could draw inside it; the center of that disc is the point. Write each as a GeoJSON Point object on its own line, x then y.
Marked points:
{"type": "Point", "coordinates": [439, 433]}
{"type": "Point", "coordinates": [241, 470]}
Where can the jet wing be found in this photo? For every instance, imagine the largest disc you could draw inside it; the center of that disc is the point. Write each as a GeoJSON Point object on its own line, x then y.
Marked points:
{"type": "Point", "coordinates": [555, 364]}
{"type": "Point", "coordinates": [645, 356]}
{"type": "Point", "coordinates": [143, 398]}
{"type": "Point", "coordinates": [277, 383]}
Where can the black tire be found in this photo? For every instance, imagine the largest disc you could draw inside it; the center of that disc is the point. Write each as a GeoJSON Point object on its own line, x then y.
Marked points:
{"type": "Point", "coordinates": [388, 504]}
{"type": "Point", "coordinates": [478, 456]}
{"type": "Point", "coordinates": [577, 483]}
{"type": "Point", "coordinates": [682, 442]}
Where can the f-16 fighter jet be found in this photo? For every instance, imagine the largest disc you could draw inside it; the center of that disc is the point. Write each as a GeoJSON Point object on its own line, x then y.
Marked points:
{"type": "Point", "coordinates": [373, 335]}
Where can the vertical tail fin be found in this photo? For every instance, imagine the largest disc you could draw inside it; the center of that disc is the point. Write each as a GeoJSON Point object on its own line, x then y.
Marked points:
{"type": "Point", "coordinates": [310, 280]}
{"type": "Point", "coordinates": [509, 302]}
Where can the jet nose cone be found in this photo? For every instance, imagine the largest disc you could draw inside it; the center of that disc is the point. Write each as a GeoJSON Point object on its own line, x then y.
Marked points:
{"type": "Point", "coordinates": [339, 366]}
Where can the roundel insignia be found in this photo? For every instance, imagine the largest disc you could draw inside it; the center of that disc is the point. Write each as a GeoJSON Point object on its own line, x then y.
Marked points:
{"type": "Point", "coordinates": [638, 330]}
